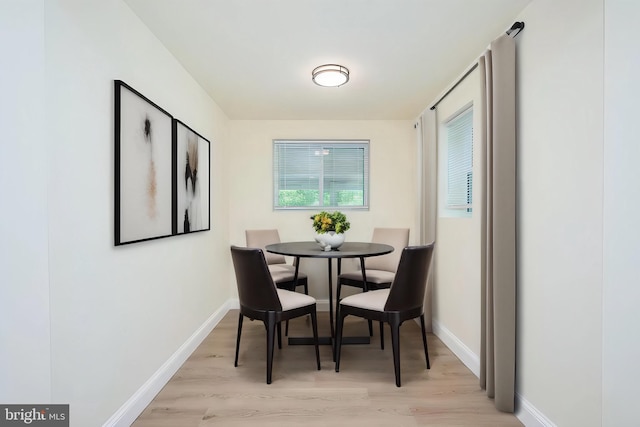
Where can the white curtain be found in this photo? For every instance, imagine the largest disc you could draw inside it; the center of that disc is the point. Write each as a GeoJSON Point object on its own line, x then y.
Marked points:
{"type": "Point", "coordinates": [427, 140]}
{"type": "Point", "coordinates": [498, 210]}
{"type": "Point", "coordinates": [498, 217]}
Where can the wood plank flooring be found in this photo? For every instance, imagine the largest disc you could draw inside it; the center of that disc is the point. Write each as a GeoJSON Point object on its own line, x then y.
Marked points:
{"type": "Point", "coordinates": [208, 391]}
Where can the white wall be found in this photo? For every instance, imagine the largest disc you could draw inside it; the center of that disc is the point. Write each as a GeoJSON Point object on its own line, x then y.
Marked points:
{"type": "Point", "coordinates": [621, 317]}
{"type": "Point", "coordinates": [456, 293]}
{"type": "Point", "coordinates": [560, 213]}
{"type": "Point", "coordinates": [25, 373]}
{"type": "Point", "coordinates": [393, 182]}
{"type": "Point", "coordinates": [118, 313]}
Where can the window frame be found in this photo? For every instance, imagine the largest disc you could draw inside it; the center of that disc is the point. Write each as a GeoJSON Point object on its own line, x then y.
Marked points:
{"type": "Point", "coordinates": [364, 144]}
{"type": "Point", "coordinates": [464, 209]}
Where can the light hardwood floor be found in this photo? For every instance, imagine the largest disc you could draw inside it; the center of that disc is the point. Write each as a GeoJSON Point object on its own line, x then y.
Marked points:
{"type": "Point", "coordinates": [207, 390]}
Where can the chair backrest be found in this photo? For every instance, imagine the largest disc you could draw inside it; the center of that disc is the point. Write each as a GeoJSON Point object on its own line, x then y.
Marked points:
{"type": "Point", "coordinates": [262, 238]}
{"type": "Point", "coordinates": [396, 237]}
{"type": "Point", "coordinates": [410, 283]}
{"type": "Point", "coordinates": [256, 289]}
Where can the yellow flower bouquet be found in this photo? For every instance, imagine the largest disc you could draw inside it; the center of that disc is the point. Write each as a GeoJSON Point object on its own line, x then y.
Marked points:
{"type": "Point", "coordinates": [324, 222]}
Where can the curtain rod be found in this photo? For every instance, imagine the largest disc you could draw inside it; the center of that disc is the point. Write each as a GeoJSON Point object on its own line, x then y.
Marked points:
{"type": "Point", "coordinates": [517, 27]}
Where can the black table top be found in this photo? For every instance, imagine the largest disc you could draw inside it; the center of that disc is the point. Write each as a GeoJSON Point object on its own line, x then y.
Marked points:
{"type": "Point", "coordinates": [313, 250]}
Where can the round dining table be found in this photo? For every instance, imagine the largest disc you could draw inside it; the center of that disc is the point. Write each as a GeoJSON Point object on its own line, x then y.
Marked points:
{"type": "Point", "coordinates": [299, 250]}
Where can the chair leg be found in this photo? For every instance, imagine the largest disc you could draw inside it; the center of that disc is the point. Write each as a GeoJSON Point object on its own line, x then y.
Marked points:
{"type": "Point", "coordinates": [238, 339]}
{"type": "Point", "coordinates": [370, 328]}
{"type": "Point", "coordinates": [271, 329]}
{"type": "Point", "coordinates": [339, 327]}
{"type": "Point", "coordinates": [279, 330]}
{"type": "Point", "coordinates": [382, 335]}
{"type": "Point", "coordinates": [395, 343]}
{"type": "Point", "coordinates": [424, 341]}
{"type": "Point", "coordinates": [286, 328]}
{"type": "Point", "coordinates": [314, 326]}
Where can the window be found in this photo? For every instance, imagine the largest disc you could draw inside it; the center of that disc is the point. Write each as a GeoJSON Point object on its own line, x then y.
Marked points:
{"type": "Point", "coordinates": [459, 195]}
{"type": "Point", "coordinates": [327, 174]}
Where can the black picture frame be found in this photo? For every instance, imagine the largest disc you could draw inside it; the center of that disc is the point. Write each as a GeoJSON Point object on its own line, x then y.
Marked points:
{"type": "Point", "coordinates": [144, 168]}
{"type": "Point", "coordinates": [192, 176]}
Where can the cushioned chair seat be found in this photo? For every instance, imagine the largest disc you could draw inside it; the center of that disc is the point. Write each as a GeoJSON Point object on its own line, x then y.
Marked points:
{"type": "Point", "coordinates": [375, 277]}
{"type": "Point", "coordinates": [285, 276]}
{"type": "Point", "coordinates": [291, 300]}
{"type": "Point", "coordinates": [372, 300]}
{"type": "Point", "coordinates": [282, 267]}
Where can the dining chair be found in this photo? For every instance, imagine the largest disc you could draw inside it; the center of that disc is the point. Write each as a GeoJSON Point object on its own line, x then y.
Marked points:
{"type": "Point", "coordinates": [379, 271]}
{"type": "Point", "coordinates": [283, 274]}
{"type": "Point", "coordinates": [261, 300]}
{"type": "Point", "coordinates": [404, 300]}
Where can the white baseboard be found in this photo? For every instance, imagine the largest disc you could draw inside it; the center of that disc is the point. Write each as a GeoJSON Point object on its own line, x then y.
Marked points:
{"type": "Point", "coordinates": [529, 414]}
{"type": "Point", "coordinates": [322, 305]}
{"type": "Point", "coordinates": [137, 403]}
{"type": "Point", "coordinates": [464, 353]}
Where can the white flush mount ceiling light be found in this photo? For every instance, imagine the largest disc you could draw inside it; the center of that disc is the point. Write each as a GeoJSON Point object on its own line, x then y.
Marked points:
{"type": "Point", "coordinates": [330, 75]}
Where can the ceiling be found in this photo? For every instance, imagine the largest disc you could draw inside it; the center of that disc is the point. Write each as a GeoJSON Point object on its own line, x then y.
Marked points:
{"type": "Point", "coordinates": [255, 57]}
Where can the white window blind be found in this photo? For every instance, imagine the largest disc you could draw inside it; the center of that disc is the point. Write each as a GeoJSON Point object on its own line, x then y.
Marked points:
{"type": "Point", "coordinates": [328, 174]}
{"type": "Point", "coordinates": [460, 161]}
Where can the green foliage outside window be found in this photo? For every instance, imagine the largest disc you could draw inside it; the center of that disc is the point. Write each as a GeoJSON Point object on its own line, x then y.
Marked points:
{"type": "Point", "coordinates": [301, 198]}
{"type": "Point", "coordinates": [298, 198]}
{"type": "Point", "coordinates": [345, 198]}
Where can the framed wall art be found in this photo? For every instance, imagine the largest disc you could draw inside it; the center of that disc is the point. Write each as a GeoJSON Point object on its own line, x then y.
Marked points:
{"type": "Point", "coordinates": [193, 179]}
{"type": "Point", "coordinates": [144, 165]}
